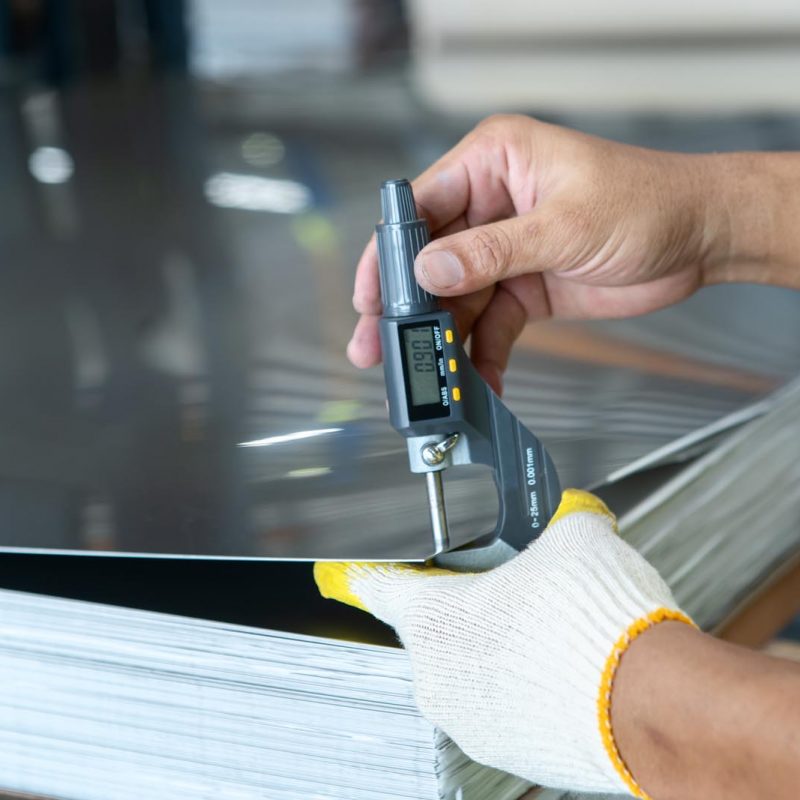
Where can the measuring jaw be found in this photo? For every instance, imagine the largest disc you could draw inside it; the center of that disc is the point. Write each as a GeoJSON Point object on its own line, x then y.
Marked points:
{"type": "Point", "coordinates": [438, 401]}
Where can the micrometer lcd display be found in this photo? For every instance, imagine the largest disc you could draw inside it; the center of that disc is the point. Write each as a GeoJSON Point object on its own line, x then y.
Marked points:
{"type": "Point", "coordinates": [421, 362]}
{"type": "Point", "coordinates": [426, 383]}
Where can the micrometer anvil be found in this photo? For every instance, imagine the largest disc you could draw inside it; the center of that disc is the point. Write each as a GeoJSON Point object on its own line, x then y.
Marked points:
{"type": "Point", "coordinates": [438, 401]}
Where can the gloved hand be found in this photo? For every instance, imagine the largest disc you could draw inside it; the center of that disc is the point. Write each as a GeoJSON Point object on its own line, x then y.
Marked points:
{"type": "Point", "coordinates": [517, 664]}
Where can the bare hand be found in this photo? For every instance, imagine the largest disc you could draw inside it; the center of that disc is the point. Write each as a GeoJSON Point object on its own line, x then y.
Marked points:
{"type": "Point", "coordinates": [531, 221]}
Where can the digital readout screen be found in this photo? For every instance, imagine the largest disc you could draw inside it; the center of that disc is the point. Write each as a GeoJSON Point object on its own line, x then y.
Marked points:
{"type": "Point", "coordinates": [421, 364]}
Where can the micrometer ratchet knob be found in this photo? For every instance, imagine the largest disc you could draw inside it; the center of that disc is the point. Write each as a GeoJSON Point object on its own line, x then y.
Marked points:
{"type": "Point", "coordinates": [400, 237]}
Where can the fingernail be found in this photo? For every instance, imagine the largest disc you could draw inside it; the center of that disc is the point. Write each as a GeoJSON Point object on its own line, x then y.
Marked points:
{"type": "Point", "coordinates": [352, 348]}
{"type": "Point", "coordinates": [441, 269]}
{"type": "Point", "coordinates": [495, 379]}
{"type": "Point", "coordinates": [499, 385]}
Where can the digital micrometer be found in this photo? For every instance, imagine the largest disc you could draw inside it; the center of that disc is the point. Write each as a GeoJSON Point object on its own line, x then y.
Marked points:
{"type": "Point", "coordinates": [438, 401]}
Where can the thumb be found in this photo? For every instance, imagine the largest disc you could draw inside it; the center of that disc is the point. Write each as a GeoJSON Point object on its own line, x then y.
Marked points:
{"type": "Point", "coordinates": [385, 590]}
{"type": "Point", "coordinates": [478, 257]}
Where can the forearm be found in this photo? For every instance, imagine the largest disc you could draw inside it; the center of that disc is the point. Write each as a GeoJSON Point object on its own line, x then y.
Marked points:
{"type": "Point", "coordinates": [694, 717]}
{"type": "Point", "coordinates": [752, 208]}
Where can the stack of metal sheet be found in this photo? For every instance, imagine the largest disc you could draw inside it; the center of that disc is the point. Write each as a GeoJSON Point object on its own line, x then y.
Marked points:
{"type": "Point", "coordinates": [102, 703]}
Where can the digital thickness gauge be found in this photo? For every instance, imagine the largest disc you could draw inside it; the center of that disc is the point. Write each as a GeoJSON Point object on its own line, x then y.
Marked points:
{"type": "Point", "coordinates": [437, 400]}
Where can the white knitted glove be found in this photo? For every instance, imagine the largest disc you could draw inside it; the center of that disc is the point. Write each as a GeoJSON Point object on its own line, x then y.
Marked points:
{"type": "Point", "coordinates": [516, 665]}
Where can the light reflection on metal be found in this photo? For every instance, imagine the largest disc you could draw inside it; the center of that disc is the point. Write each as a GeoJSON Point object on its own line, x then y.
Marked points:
{"type": "Point", "coordinates": [308, 472]}
{"type": "Point", "coordinates": [288, 437]}
{"type": "Point", "coordinates": [263, 149]}
{"type": "Point", "coordinates": [250, 336]}
{"type": "Point", "coordinates": [255, 193]}
{"type": "Point", "coordinates": [91, 367]}
{"type": "Point", "coordinates": [51, 165]}
{"type": "Point", "coordinates": [97, 524]}
{"type": "Point", "coordinates": [173, 342]}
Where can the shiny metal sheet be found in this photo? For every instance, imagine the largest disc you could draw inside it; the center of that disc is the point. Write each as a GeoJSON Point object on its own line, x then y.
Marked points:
{"type": "Point", "coordinates": [173, 358]}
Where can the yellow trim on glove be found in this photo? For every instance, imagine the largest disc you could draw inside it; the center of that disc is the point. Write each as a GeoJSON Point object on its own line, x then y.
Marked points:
{"type": "Point", "coordinates": [574, 501]}
{"type": "Point", "coordinates": [634, 630]}
{"type": "Point", "coordinates": [333, 582]}
{"type": "Point", "coordinates": [334, 579]}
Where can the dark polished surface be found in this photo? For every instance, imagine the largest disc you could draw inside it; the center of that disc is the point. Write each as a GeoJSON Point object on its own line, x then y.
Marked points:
{"type": "Point", "coordinates": [186, 291]}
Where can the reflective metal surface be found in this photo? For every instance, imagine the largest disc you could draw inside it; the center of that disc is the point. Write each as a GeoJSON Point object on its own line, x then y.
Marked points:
{"type": "Point", "coordinates": [175, 303]}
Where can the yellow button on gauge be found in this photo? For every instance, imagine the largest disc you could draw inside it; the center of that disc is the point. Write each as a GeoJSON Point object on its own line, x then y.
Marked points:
{"type": "Point", "coordinates": [456, 394]}
{"type": "Point", "coordinates": [452, 365]}
{"type": "Point", "coordinates": [448, 336]}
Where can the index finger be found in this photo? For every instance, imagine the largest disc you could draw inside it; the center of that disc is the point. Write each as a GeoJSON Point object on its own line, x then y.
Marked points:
{"type": "Point", "coordinates": [367, 290]}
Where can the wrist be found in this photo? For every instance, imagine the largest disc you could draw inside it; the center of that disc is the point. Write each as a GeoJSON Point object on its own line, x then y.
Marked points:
{"type": "Point", "coordinates": [749, 206]}
{"type": "Point", "coordinates": [617, 711]}
{"type": "Point", "coordinates": [635, 715]}
{"type": "Point", "coordinates": [695, 717]}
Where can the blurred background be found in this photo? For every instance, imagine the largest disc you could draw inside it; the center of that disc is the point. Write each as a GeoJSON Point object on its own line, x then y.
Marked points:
{"type": "Point", "coordinates": [187, 185]}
